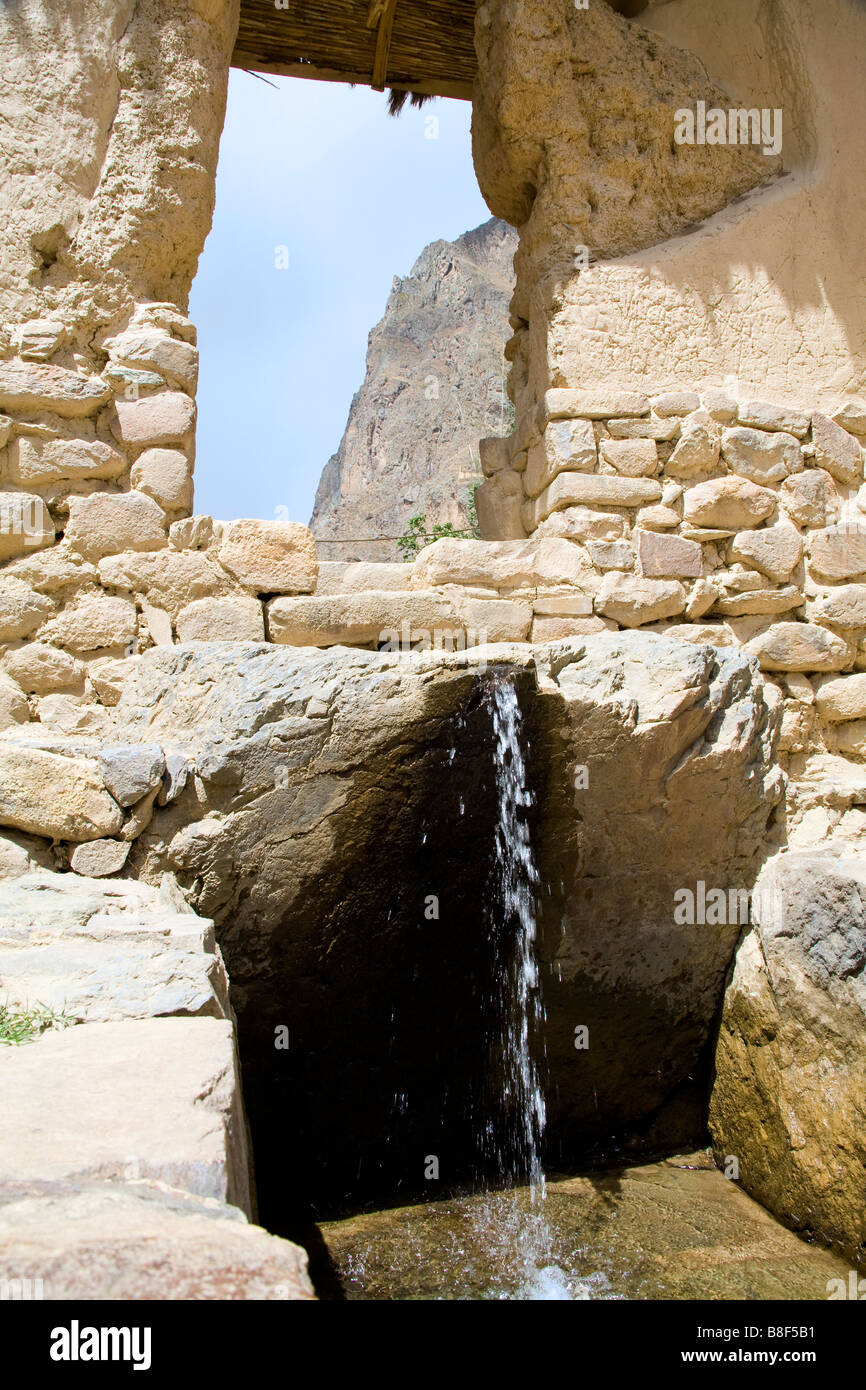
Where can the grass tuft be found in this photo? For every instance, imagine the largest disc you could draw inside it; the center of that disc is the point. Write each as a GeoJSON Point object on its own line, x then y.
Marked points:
{"type": "Point", "coordinates": [19, 1025]}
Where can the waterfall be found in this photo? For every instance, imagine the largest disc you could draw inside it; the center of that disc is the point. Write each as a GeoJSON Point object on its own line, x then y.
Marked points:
{"type": "Point", "coordinates": [516, 1119]}
{"type": "Point", "coordinates": [516, 1116]}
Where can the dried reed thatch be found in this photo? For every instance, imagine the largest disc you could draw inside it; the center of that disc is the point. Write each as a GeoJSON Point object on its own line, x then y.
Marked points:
{"type": "Point", "coordinates": [421, 47]}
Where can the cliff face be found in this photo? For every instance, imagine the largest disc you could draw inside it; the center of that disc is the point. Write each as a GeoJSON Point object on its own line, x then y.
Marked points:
{"type": "Point", "coordinates": [434, 386]}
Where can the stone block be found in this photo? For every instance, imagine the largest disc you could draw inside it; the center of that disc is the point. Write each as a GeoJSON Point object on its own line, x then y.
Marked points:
{"type": "Point", "coordinates": [233, 619]}
{"type": "Point", "coordinates": [799, 647]}
{"type": "Point", "coordinates": [107, 523]}
{"type": "Point", "coordinates": [590, 489]}
{"type": "Point", "coordinates": [38, 462]}
{"type": "Point", "coordinates": [763, 415]}
{"type": "Point", "coordinates": [762, 458]}
{"type": "Point", "coordinates": [837, 451]}
{"type": "Point", "coordinates": [601, 403]}
{"type": "Point", "coordinates": [58, 797]}
{"type": "Point", "coordinates": [632, 601]}
{"type": "Point", "coordinates": [270, 557]}
{"type": "Point", "coordinates": [95, 623]}
{"type": "Point", "coordinates": [810, 498]}
{"type": "Point", "coordinates": [166, 476]}
{"type": "Point", "coordinates": [164, 419]}
{"type": "Point", "coordinates": [668, 557]}
{"type": "Point", "coordinates": [631, 458]}
{"type": "Point", "coordinates": [730, 503]}
{"type": "Point", "coordinates": [26, 386]}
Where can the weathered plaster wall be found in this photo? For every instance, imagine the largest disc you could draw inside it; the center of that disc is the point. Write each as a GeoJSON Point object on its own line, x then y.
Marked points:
{"type": "Point", "coordinates": [765, 289]}
{"type": "Point", "coordinates": [770, 290]}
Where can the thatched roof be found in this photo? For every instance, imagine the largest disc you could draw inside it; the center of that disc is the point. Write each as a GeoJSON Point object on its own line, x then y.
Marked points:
{"type": "Point", "coordinates": [421, 46]}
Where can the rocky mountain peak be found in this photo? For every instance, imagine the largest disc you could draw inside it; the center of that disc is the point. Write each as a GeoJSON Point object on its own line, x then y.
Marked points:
{"type": "Point", "coordinates": [434, 386]}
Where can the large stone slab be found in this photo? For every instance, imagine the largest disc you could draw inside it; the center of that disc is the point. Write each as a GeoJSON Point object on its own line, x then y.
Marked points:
{"type": "Point", "coordinates": [369, 619]}
{"type": "Point", "coordinates": [121, 976]}
{"type": "Point", "coordinates": [664, 556]}
{"type": "Point", "coordinates": [356, 577]}
{"type": "Point", "coordinates": [564, 403]}
{"type": "Point", "coordinates": [838, 552]}
{"type": "Point", "coordinates": [633, 601]}
{"type": "Point", "coordinates": [238, 618]}
{"type": "Point", "coordinates": [44, 908]}
{"type": "Point", "coordinates": [108, 523]}
{"type": "Point", "coordinates": [843, 606]}
{"type": "Point", "coordinates": [783, 600]}
{"type": "Point", "coordinates": [140, 1241]}
{"type": "Point", "coordinates": [810, 498]}
{"type": "Point", "coordinates": [301, 757]}
{"type": "Point", "coordinates": [764, 458]}
{"type": "Point", "coordinates": [839, 698]}
{"type": "Point", "coordinates": [837, 451]}
{"type": "Point", "coordinates": [153, 1099]}
{"type": "Point", "coordinates": [164, 419]}
{"type": "Point", "coordinates": [631, 458]}
{"type": "Point", "coordinates": [37, 462]}
{"type": "Point", "coordinates": [789, 1099]}
{"type": "Point", "coordinates": [166, 476]}
{"type": "Point", "coordinates": [775, 550]}
{"type": "Point", "coordinates": [764, 415]}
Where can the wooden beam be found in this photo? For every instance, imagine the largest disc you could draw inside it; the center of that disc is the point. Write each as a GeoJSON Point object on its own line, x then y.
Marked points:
{"type": "Point", "coordinates": [375, 13]}
{"type": "Point", "coordinates": [383, 44]}
{"type": "Point", "coordinates": [432, 87]}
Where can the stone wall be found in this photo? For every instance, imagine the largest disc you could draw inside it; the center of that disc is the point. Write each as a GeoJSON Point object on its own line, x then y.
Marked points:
{"type": "Point", "coordinates": [107, 197]}
{"type": "Point", "coordinates": [742, 518]}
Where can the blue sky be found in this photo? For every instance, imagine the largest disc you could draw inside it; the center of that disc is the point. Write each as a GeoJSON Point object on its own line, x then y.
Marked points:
{"type": "Point", "coordinates": [352, 195]}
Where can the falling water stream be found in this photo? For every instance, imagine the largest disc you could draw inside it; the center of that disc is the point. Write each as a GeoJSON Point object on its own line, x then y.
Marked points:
{"type": "Point", "coordinates": [515, 1133]}
{"type": "Point", "coordinates": [611, 1236]}
{"type": "Point", "coordinates": [515, 1123]}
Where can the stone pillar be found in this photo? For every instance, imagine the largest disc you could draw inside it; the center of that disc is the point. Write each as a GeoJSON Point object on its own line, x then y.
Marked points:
{"type": "Point", "coordinates": [112, 111]}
